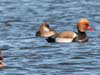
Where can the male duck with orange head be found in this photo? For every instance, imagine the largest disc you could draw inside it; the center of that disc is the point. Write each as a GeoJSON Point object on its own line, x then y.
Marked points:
{"type": "Point", "coordinates": [67, 37]}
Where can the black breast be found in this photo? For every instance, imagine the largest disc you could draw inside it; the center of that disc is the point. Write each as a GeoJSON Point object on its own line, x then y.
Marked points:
{"type": "Point", "coordinates": [50, 39]}
{"type": "Point", "coordinates": [82, 37]}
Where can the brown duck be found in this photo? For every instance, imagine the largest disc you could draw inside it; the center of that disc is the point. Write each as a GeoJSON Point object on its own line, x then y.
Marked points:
{"type": "Point", "coordinates": [1, 60]}
{"type": "Point", "coordinates": [45, 31]}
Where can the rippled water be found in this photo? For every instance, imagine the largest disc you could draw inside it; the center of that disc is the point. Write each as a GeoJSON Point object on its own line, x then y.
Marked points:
{"type": "Point", "coordinates": [26, 54]}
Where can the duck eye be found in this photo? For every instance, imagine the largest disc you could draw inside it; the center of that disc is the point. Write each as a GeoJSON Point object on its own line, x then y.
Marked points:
{"type": "Point", "coordinates": [87, 25]}
{"type": "Point", "coordinates": [47, 25]}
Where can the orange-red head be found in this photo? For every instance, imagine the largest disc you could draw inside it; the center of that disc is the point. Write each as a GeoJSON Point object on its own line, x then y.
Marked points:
{"type": "Point", "coordinates": [84, 25]}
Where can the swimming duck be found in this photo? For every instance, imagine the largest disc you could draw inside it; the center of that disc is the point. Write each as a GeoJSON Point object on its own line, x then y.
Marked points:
{"type": "Point", "coordinates": [1, 60]}
{"type": "Point", "coordinates": [45, 31]}
{"type": "Point", "coordinates": [67, 37]}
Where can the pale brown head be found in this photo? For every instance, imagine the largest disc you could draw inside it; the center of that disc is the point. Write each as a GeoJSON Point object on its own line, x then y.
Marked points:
{"type": "Point", "coordinates": [45, 30]}
{"type": "Point", "coordinates": [44, 27]}
{"type": "Point", "coordinates": [84, 25]}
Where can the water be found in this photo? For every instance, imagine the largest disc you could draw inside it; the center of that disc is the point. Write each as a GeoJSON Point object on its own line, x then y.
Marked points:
{"type": "Point", "coordinates": [26, 54]}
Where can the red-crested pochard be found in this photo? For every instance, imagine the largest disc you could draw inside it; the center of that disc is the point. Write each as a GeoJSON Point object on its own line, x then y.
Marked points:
{"type": "Point", "coordinates": [45, 31]}
{"type": "Point", "coordinates": [67, 37]}
{"type": "Point", "coordinates": [1, 60]}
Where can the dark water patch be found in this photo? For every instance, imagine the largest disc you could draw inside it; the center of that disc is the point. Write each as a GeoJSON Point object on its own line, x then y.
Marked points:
{"type": "Point", "coordinates": [5, 47]}
{"type": "Point", "coordinates": [68, 63]}
{"type": "Point", "coordinates": [78, 57]}
{"type": "Point", "coordinates": [46, 47]}
{"type": "Point", "coordinates": [92, 68]}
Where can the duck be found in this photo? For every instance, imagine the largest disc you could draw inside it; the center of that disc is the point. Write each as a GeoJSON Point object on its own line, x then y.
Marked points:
{"type": "Point", "coordinates": [67, 37]}
{"type": "Point", "coordinates": [45, 31]}
{"type": "Point", "coordinates": [2, 65]}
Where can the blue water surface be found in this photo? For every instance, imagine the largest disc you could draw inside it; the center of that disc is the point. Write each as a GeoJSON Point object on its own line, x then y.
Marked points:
{"type": "Point", "coordinates": [26, 54]}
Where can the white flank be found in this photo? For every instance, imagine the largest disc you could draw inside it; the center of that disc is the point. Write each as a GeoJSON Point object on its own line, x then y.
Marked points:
{"type": "Point", "coordinates": [64, 40]}
{"type": "Point", "coordinates": [75, 35]}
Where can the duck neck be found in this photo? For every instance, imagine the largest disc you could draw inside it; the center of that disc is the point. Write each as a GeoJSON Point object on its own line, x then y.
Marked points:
{"type": "Point", "coordinates": [82, 33]}
{"type": "Point", "coordinates": [82, 36]}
